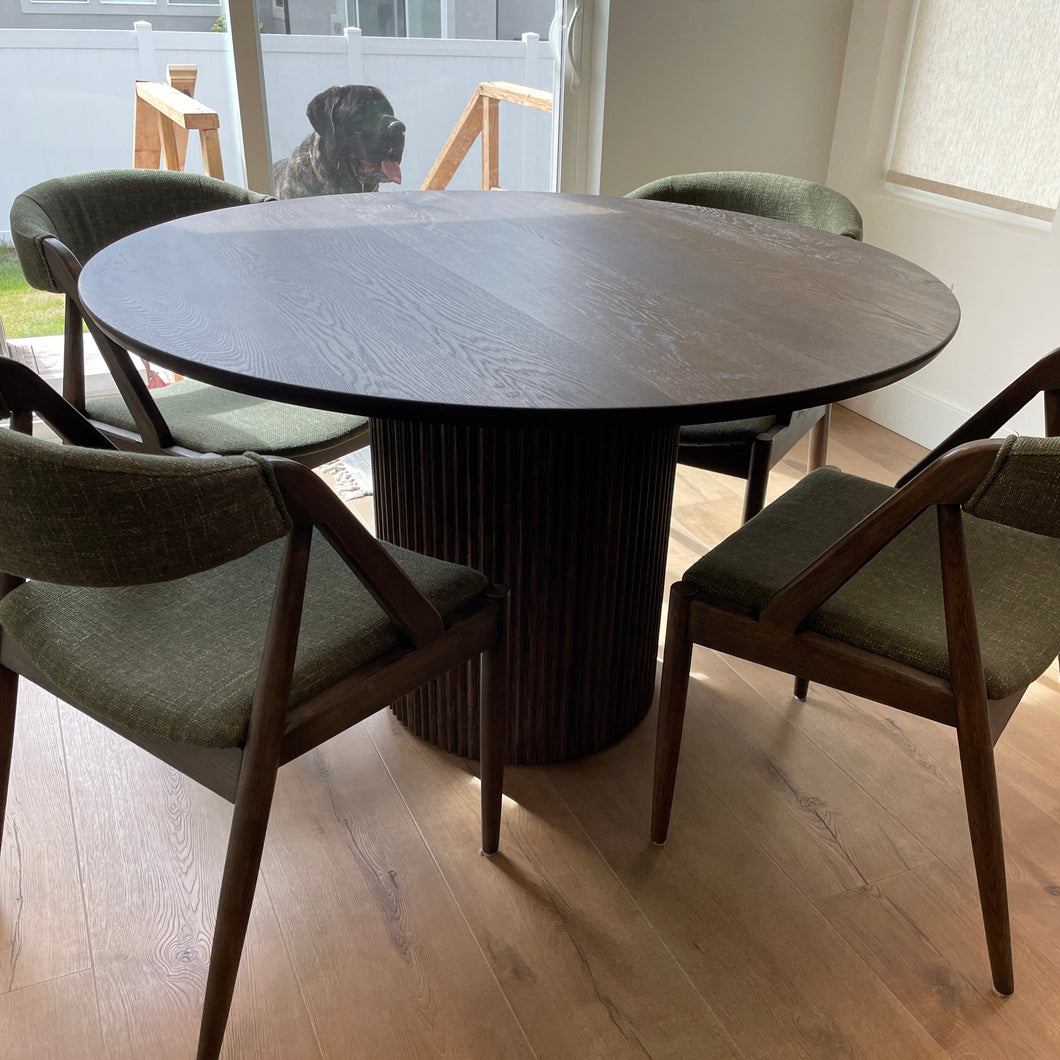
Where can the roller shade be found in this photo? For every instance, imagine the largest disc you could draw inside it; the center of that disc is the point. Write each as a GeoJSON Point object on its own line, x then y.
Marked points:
{"type": "Point", "coordinates": [980, 110]}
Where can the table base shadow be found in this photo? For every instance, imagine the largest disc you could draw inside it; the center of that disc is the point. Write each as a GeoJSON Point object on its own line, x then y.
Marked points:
{"type": "Point", "coordinates": [576, 524]}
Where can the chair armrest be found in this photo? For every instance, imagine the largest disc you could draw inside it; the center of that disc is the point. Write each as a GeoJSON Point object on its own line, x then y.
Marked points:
{"type": "Point", "coordinates": [1041, 377]}
{"type": "Point", "coordinates": [951, 479]}
{"type": "Point", "coordinates": [25, 393]}
{"type": "Point", "coordinates": [309, 501]}
{"type": "Point", "coordinates": [66, 271]}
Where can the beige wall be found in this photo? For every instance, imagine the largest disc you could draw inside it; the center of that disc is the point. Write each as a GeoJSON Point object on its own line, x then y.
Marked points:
{"type": "Point", "coordinates": [1005, 274]}
{"type": "Point", "coordinates": [697, 85]}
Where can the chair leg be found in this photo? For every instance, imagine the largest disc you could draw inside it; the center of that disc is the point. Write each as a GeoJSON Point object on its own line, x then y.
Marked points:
{"type": "Point", "coordinates": [8, 701]}
{"type": "Point", "coordinates": [493, 726]}
{"type": "Point", "coordinates": [754, 494]}
{"type": "Point", "coordinates": [984, 825]}
{"type": "Point", "coordinates": [819, 441]}
{"type": "Point", "coordinates": [802, 688]}
{"type": "Point", "coordinates": [246, 840]}
{"type": "Point", "coordinates": [677, 661]}
{"type": "Point", "coordinates": [975, 743]}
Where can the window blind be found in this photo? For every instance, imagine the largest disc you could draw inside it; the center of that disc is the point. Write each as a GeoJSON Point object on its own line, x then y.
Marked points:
{"type": "Point", "coordinates": [980, 113]}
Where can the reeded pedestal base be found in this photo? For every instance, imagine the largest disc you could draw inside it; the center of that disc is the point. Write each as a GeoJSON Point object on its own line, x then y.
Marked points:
{"type": "Point", "coordinates": [575, 523]}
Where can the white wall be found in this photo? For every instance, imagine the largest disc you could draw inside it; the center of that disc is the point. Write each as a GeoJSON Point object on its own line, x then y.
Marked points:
{"type": "Point", "coordinates": [695, 85]}
{"type": "Point", "coordinates": [1005, 274]}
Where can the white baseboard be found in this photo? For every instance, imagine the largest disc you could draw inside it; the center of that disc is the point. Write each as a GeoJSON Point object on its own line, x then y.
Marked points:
{"type": "Point", "coordinates": [910, 412]}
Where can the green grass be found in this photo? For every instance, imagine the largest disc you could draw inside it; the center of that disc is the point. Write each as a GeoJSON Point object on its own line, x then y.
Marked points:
{"type": "Point", "coordinates": [26, 312]}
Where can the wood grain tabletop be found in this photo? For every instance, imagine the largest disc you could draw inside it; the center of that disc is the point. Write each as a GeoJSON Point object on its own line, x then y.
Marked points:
{"type": "Point", "coordinates": [490, 308]}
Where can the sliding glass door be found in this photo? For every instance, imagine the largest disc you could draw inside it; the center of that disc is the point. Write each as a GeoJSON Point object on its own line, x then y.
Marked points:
{"type": "Point", "coordinates": [427, 59]}
{"type": "Point", "coordinates": [375, 103]}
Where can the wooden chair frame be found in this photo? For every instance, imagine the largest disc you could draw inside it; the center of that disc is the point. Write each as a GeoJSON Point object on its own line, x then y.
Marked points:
{"type": "Point", "coordinates": [945, 480]}
{"type": "Point", "coordinates": [153, 435]}
{"type": "Point", "coordinates": [246, 775]}
{"type": "Point", "coordinates": [753, 459]}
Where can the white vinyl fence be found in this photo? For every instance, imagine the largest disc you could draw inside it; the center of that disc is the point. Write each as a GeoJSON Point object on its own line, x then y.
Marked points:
{"type": "Point", "coordinates": [67, 97]}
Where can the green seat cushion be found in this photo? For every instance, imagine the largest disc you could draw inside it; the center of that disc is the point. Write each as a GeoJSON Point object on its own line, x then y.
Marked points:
{"type": "Point", "coordinates": [726, 432]}
{"type": "Point", "coordinates": [179, 659]}
{"type": "Point", "coordinates": [893, 606]}
{"type": "Point", "coordinates": [209, 419]}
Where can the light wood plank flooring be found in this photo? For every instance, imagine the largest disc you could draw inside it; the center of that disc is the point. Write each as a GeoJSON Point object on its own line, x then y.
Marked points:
{"type": "Point", "coordinates": [816, 898]}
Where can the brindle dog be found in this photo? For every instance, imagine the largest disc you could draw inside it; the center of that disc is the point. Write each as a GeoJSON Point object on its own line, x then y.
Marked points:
{"type": "Point", "coordinates": [356, 144]}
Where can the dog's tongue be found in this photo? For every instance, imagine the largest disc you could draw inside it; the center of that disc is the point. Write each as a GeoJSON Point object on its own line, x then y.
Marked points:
{"type": "Point", "coordinates": [391, 169]}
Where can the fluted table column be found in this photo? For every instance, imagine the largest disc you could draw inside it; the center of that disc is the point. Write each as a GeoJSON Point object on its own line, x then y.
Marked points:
{"type": "Point", "coordinates": [575, 523]}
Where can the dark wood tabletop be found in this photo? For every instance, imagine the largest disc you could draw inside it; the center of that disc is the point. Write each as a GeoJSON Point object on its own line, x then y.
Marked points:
{"type": "Point", "coordinates": [526, 359]}
{"type": "Point", "coordinates": [481, 307]}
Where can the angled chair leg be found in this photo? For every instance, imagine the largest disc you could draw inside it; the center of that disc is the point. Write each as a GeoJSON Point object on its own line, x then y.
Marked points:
{"type": "Point", "coordinates": [816, 458]}
{"type": "Point", "coordinates": [8, 701]}
{"type": "Point", "coordinates": [677, 662]}
{"type": "Point", "coordinates": [245, 844]}
{"type": "Point", "coordinates": [754, 494]}
{"type": "Point", "coordinates": [493, 726]}
{"type": "Point", "coordinates": [257, 782]}
{"type": "Point", "coordinates": [975, 744]}
{"type": "Point", "coordinates": [984, 825]}
{"type": "Point", "coordinates": [818, 453]}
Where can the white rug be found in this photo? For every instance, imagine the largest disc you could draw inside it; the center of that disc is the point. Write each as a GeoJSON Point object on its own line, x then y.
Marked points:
{"type": "Point", "coordinates": [351, 475]}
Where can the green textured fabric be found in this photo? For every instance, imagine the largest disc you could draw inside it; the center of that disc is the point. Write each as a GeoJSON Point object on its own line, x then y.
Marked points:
{"type": "Point", "coordinates": [726, 432]}
{"type": "Point", "coordinates": [89, 211]}
{"type": "Point", "coordinates": [762, 194]}
{"type": "Point", "coordinates": [208, 419]}
{"type": "Point", "coordinates": [92, 517]}
{"type": "Point", "coordinates": [893, 605]}
{"type": "Point", "coordinates": [1023, 487]}
{"type": "Point", "coordinates": [179, 660]}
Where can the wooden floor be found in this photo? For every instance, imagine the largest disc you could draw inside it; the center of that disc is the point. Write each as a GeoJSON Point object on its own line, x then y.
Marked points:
{"type": "Point", "coordinates": [816, 898]}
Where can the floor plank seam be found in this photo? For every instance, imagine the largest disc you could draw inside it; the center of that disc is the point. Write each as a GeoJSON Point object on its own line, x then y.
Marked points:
{"type": "Point", "coordinates": [16, 930]}
{"type": "Point", "coordinates": [264, 882]}
{"type": "Point", "coordinates": [77, 855]}
{"type": "Point", "coordinates": [824, 751]}
{"type": "Point", "coordinates": [647, 919]}
{"type": "Point", "coordinates": [812, 902]}
{"type": "Point", "coordinates": [449, 888]}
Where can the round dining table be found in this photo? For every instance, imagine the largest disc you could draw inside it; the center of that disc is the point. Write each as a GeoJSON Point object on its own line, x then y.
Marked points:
{"type": "Point", "coordinates": [527, 360]}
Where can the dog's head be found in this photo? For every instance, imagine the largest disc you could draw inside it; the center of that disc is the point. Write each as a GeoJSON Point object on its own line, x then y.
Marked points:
{"type": "Point", "coordinates": [359, 135]}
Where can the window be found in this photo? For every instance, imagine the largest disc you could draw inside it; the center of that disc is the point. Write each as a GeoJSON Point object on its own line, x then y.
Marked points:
{"type": "Point", "coordinates": [381, 18]}
{"type": "Point", "coordinates": [980, 112]}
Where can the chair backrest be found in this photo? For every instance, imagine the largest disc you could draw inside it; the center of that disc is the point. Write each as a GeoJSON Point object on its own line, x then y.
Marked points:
{"type": "Point", "coordinates": [1022, 488]}
{"type": "Point", "coordinates": [79, 516]}
{"type": "Point", "coordinates": [762, 194]}
{"type": "Point", "coordinates": [92, 517]}
{"type": "Point", "coordinates": [89, 211]}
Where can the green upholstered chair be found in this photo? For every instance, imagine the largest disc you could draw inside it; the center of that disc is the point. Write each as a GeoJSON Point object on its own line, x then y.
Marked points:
{"type": "Point", "coordinates": [227, 614]}
{"type": "Point", "coordinates": [58, 225]}
{"type": "Point", "coordinates": [750, 448]}
{"type": "Point", "coordinates": [938, 597]}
